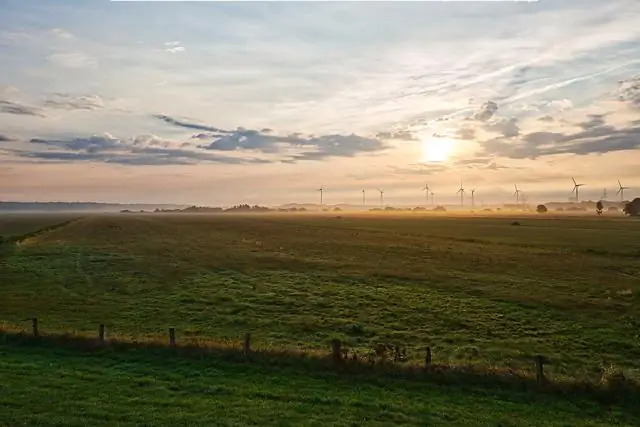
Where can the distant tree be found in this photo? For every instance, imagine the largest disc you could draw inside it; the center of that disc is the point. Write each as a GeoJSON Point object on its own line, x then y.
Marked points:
{"type": "Point", "coordinates": [439, 208]}
{"type": "Point", "coordinates": [541, 209]}
{"type": "Point", "coordinates": [599, 207]}
{"type": "Point", "coordinates": [337, 209]}
{"type": "Point", "coordinates": [632, 208]}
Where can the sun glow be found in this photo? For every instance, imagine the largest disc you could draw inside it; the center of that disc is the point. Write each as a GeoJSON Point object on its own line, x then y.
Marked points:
{"type": "Point", "coordinates": [436, 149]}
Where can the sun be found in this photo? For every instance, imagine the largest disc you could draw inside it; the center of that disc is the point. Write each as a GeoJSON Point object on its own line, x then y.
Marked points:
{"type": "Point", "coordinates": [436, 149]}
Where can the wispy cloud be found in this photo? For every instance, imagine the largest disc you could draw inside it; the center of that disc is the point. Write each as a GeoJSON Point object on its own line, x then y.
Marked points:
{"type": "Point", "coordinates": [73, 60]}
{"type": "Point", "coordinates": [310, 148]}
{"type": "Point", "coordinates": [74, 102]}
{"type": "Point", "coordinates": [9, 107]}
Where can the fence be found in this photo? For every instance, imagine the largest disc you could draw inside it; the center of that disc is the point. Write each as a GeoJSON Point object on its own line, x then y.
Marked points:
{"type": "Point", "coordinates": [337, 350]}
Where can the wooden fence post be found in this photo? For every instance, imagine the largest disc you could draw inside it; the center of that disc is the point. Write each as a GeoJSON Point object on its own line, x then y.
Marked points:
{"type": "Point", "coordinates": [540, 368]}
{"type": "Point", "coordinates": [101, 334]}
{"type": "Point", "coordinates": [172, 337]}
{"type": "Point", "coordinates": [427, 359]}
{"type": "Point", "coordinates": [336, 350]}
{"type": "Point", "coordinates": [247, 343]}
{"type": "Point", "coordinates": [34, 326]}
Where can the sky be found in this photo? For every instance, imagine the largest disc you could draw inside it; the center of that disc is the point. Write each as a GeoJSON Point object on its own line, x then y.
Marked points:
{"type": "Point", "coordinates": [217, 103]}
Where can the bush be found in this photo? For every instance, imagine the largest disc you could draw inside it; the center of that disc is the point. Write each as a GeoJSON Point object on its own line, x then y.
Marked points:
{"type": "Point", "coordinates": [541, 209]}
{"type": "Point", "coordinates": [632, 208]}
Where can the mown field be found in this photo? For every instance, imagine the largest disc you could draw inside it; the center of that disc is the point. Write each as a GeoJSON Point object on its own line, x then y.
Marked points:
{"type": "Point", "coordinates": [477, 290]}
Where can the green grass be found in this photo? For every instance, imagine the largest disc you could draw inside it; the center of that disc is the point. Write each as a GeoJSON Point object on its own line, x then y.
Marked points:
{"type": "Point", "coordinates": [475, 289]}
{"type": "Point", "coordinates": [18, 224]}
{"type": "Point", "coordinates": [48, 386]}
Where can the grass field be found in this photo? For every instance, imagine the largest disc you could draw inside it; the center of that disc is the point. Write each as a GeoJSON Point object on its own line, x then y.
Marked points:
{"type": "Point", "coordinates": [59, 387]}
{"type": "Point", "coordinates": [12, 225]}
{"type": "Point", "coordinates": [475, 289]}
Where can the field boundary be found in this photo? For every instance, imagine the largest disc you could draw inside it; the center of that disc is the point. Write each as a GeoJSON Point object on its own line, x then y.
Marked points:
{"type": "Point", "coordinates": [610, 388]}
{"type": "Point", "coordinates": [17, 240]}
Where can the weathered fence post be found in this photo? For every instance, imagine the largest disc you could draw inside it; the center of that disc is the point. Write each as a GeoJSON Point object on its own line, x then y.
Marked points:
{"type": "Point", "coordinates": [427, 359]}
{"type": "Point", "coordinates": [540, 368]}
{"type": "Point", "coordinates": [101, 334]}
{"type": "Point", "coordinates": [246, 347]}
{"type": "Point", "coordinates": [336, 350]}
{"type": "Point", "coordinates": [172, 337]}
{"type": "Point", "coordinates": [34, 326]}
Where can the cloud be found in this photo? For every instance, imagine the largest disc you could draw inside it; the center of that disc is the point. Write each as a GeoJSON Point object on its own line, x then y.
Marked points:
{"type": "Point", "coordinates": [174, 47]}
{"type": "Point", "coordinates": [595, 120]}
{"type": "Point", "coordinates": [487, 111]}
{"type": "Point", "coordinates": [6, 138]}
{"type": "Point", "coordinates": [420, 169]}
{"type": "Point", "coordinates": [72, 102]}
{"type": "Point", "coordinates": [629, 90]}
{"type": "Point", "coordinates": [188, 125]}
{"type": "Point", "coordinates": [63, 34]}
{"type": "Point", "coordinates": [19, 109]}
{"type": "Point", "coordinates": [487, 163]}
{"type": "Point", "coordinates": [546, 119]}
{"type": "Point", "coordinates": [312, 147]}
{"type": "Point", "coordinates": [466, 133]}
{"type": "Point", "coordinates": [139, 150]}
{"type": "Point", "coordinates": [596, 139]}
{"type": "Point", "coordinates": [72, 60]}
{"type": "Point", "coordinates": [402, 135]}
{"type": "Point", "coordinates": [507, 127]}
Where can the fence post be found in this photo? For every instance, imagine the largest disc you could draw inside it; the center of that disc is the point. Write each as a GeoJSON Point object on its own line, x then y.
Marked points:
{"type": "Point", "coordinates": [336, 350]}
{"type": "Point", "coordinates": [247, 343]}
{"type": "Point", "coordinates": [34, 326]}
{"type": "Point", "coordinates": [427, 359]}
{"type": "Point", "coordinates": [101, 334]}
{"type": "Point", "coordinates": [172, 337]}
{"type": "Point", "coordinates": [540, 368]}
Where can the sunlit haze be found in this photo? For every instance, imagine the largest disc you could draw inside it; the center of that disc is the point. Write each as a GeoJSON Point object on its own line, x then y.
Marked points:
{"type": "Point", "coordinates": [215, 103]}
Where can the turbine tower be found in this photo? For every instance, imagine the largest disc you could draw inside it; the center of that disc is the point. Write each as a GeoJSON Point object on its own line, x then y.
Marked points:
{"type": "Point", "coordinates": [604, 194]}
{"type": "Point", "coordinates": [432, 194]}
{"type": "Point", "coordinates": [517, 194]}
{"type": "Point", "coordinates": [473, 200]}
{"type": "Point", "coordinates": [461, 191]}
{"type": "Point", "coordinates": [321, 190]}
{"type": "Point", "coordinates": [363, 198]}
{"type": "Point", "coordinates": [426, 193]}
{"type": "Point", "coordinates": [621, 191]}
{"type": "Point", "coordinates": [381, 197]}
{"type": "Point", "coordinates": [576, 188]}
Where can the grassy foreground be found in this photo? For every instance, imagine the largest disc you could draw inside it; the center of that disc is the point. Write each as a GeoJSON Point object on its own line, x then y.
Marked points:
{"type": "Point", "coordinates": [476, 290]}
{"type": "Point", "coordinates": [48, 386]}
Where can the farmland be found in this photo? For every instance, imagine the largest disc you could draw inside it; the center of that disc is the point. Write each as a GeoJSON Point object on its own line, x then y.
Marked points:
{"type": "Point", "coordinates": [477, 290]}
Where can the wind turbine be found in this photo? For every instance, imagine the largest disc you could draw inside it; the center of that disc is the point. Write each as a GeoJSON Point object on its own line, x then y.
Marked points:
{"type": "Point", "coordinates": [461, 191]}
{"type": "Point", "coordinates": [321, 190]}
{"type": "Point", "coordinates": [381, 197]}
{"type": "Point", "coordinates": [426, 192]}
{"type": "Point", "coordinates": [517, 194]}
{"type": "Point", "coordinates": [576, 188]}
{"type": "Point", "coordinates": [621, 191]}
{"type": "Point", "coordinates": [363, 198]}
{"type": "Point", "coordinates": [473, 200]}
{"type": "Point", "coordinates": [604, 194]}
{"type": "Point", "coordinates": [432, 194]}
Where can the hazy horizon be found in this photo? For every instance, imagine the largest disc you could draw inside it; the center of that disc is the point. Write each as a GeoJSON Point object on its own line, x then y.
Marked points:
{"type": "Point", "coordinates": [223, 103]}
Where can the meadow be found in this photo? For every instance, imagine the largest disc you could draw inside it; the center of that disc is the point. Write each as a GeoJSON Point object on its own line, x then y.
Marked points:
{"type": "Point", "coordinates": [477, 290]}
